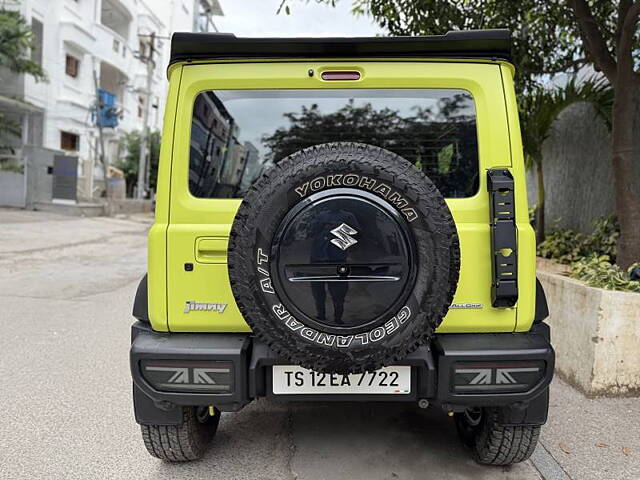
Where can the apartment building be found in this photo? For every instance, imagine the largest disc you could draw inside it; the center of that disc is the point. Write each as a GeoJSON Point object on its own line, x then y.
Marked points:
{"type": "Point", "coordinates": [95, 54]}
{"type": "Point", "coordinates": [221, 164]}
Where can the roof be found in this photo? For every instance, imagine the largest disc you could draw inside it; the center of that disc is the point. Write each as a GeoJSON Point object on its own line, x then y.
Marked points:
{"type": "Point", "coordinates": [476, 44]}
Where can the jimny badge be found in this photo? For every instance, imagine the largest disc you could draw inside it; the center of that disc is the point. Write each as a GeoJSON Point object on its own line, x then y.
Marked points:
{"type": "Point", "coordinates": [192, 306]}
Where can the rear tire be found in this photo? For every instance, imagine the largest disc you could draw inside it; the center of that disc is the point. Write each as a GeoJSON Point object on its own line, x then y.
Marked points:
{"type": "Point", "coordinates": [185, 442]}
{"type": "Point", "coordinates": [492, 443]}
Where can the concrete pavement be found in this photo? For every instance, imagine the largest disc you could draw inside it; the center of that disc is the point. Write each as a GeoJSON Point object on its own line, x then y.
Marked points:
{"type": "Point", "coordinates": [66, 289]}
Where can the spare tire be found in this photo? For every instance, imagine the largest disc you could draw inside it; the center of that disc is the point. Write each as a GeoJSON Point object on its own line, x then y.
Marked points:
{"type": "Point", "coordinates": [343, 258]}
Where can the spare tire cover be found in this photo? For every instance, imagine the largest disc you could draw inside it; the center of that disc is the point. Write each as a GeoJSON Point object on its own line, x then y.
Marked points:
{"type": "Point", "coordinates": [343, 258]}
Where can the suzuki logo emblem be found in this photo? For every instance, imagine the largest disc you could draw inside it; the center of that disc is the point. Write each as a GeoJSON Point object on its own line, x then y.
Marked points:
{"type": "Point", "coordinates": [343, 236]}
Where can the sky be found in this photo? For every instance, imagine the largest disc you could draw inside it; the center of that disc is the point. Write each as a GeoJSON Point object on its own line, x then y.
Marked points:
{"type": "Point", "coordinates": [257, 18]}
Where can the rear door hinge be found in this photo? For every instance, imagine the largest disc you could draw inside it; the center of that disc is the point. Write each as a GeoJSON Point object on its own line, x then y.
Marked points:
{"type": "Point", "coordinates": [504, 266]}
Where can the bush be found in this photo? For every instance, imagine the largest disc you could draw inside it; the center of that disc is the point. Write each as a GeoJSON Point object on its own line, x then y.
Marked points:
{"type": "Point", "coordinates": [598, 271]}
{"type": "Point", "coordinates": [604, 239]}
{"type": "Point", "coordinates": [592, 257]}
{"type": "Point", "coordinates": [567, 246]}
{"type": "Point", "coordinates": [563, 246]}
{"type": "Point", "coordinates": [11, 166]}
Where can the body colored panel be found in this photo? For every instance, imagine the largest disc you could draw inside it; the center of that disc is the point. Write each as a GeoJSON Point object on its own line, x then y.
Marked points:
{"type": "Point", "coordinates": [526, 235]}
{"type": "Point", "coordinates": [192, 218]}
{"type": "Point", "coordinates": [157, 247]}
{"type": "Point", "coordinates": [472, 310]}
{"type": "Point", "coordinates": [204, 285]}
{"type": "Point", "coordinates": [212, 249]}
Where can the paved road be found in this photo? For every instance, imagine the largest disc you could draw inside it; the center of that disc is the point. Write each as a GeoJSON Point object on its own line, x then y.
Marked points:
{"type": "Point", "coordinates": [66, 289]}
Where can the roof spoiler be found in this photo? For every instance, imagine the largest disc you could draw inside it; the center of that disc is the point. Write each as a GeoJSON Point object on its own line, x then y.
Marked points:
{"type": "Point", "coordinates": [470, 44]}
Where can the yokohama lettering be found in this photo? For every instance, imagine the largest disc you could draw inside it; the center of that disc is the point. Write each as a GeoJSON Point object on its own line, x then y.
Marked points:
{"type": "Point", "coordinates": [366, 183]}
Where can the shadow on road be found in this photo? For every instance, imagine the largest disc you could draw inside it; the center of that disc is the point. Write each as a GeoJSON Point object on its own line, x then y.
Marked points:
{"type": "Point", "coordinates": [269, 440]}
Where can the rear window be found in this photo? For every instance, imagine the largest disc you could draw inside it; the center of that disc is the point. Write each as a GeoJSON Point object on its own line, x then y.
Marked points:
{"type": "Point", "coordinates": [237, 134]}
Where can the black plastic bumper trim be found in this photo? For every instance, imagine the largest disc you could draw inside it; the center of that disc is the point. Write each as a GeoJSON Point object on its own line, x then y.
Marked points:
{"type": "Point", "coordinates": [140, 303]}
{"type": "Point", "coordinates": [492, 347]}
{"type": "Point", "coordinates": [423, 379]}
{"type": "Point", "coordinates": [151, 345]}
{"type": "Point", "coordinates": [432, 371]}
{"type": "Point", "coordinates": [542, 308]}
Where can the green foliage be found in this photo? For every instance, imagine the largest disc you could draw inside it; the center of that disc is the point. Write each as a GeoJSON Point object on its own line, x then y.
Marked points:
{"type": "Point", "coordinates": [532, 215]}
{"type": "Point", "coordinates": [538, 46]}
{"type": "Point", "coordinates": [15, 44]}
{"type": "Point", "coordinates": [445, 156]}
{"type": "Point", "coordinates": [10, 165]}
{"type": "Point", "coordinates": [549, 37]}
{"type": "Point", "coordinates": [567, 246]}
{"type": "Point", "coordinates": [440, 158]}
{"type": "Point", "coordinates": [130, 143]}
{"type": "Point", "coordinates": [591, 257]}
{"type": "Point", "coordinates": [598, 271]}
{"type": "Point", "coordinates": [604, 239]}
{"type": "Point", "coordinates": [563, 246]}
{"type": "Point", "coordinates": [546, 37]}
{"type": "Point", "coordinates": [540, 107]}
{"type": "Point", "coordinates": [9, 130]}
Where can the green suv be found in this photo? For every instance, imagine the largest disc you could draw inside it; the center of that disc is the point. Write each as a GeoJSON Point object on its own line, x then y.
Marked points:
{"type": "Point", "coordinates": [342, 219]}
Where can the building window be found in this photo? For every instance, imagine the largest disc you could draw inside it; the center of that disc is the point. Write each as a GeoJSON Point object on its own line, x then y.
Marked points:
{"type": "Point", "coordinates": [69, 141]}
{"type": "Point", "coordinates": [72, 66]}
{"type": "Point", "coordinates": [36, 41]}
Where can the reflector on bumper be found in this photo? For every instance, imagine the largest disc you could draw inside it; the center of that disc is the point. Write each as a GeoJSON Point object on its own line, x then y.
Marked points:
{"type": "Point", "coordinates": [503, 377]}
{"type": "Point", "coordinates": [188, 376]}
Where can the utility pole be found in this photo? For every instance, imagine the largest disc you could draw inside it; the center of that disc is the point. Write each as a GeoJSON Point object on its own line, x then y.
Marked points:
{"type": "Point", "coordinates": [144, 141]}
{"type": "Point", "coordinates": [103, 159]}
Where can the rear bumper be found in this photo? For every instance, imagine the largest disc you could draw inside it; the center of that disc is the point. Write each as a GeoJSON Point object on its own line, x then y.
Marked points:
{"type": "Point", "coordinates": [230, 370]}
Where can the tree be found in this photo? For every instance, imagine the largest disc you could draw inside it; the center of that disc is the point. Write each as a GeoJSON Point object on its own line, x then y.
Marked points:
{"type": "Point", "coordinates": [15, 44]}
{"type": "Point", "coordinates": [539, 108]}
{"type": "Point", "coordinates": [8, 129]}
{"type": "Point", "coordinates": [549, 37]}
{"type": "Point", "coordinates": [613, 45]}
{"type": "Point", "coordinates": [441, 141]}
{"type": "Point", "coordinates": [541, 43]}
{"type": "Point", "coordinates": [16, 40]}
{"type": "Point", "coordinates": [130, 143]}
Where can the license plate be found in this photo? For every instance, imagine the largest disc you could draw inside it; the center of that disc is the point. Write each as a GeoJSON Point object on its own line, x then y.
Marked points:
{"type": "Point", "coordinates": [294, 380]}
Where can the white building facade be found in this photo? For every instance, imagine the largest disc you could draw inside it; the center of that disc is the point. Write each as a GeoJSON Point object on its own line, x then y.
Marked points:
{"type": "Point", "coordinates": [92, 46]}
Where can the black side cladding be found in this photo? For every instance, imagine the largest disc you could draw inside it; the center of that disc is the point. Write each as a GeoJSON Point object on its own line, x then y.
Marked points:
{"type": "Point", "coordinates": [542, 308]}
{"type": "Point", "coordinates": [148, 412]}
{"type": "Point", "coordinates": [140, 304]}
{"type": "Point", "coordinates": [477, 44]}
